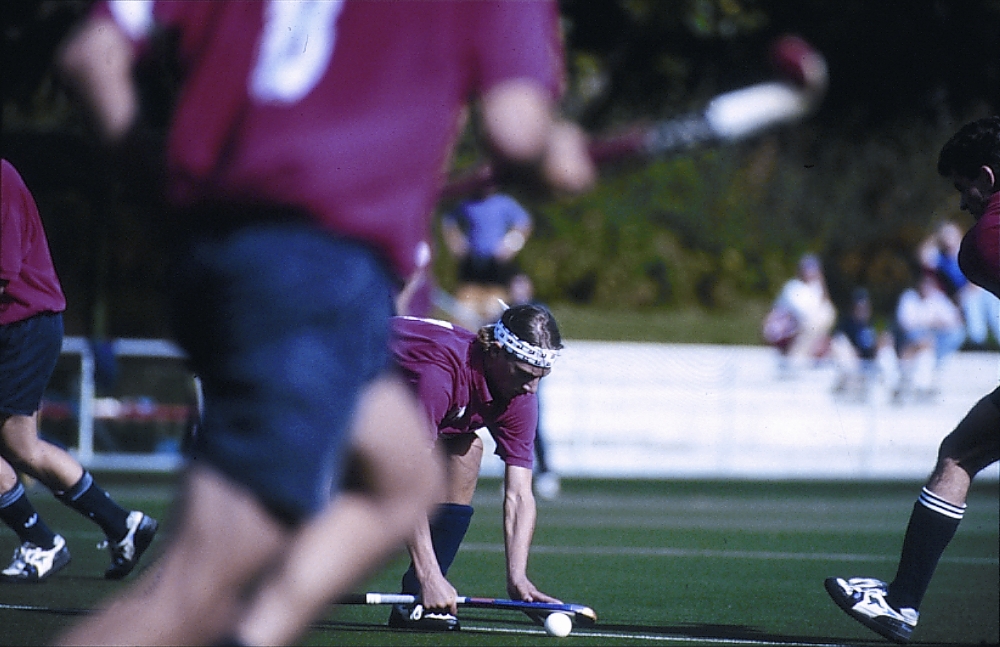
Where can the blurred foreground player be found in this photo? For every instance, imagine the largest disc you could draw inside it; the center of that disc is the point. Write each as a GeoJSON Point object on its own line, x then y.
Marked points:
{"type": "Point", "coordinates": [304, 178]}
{"type": "Point", "coordinates": [468, 381]}
{"type": "Point", "coordinates": [31, 333]}
{"type": "Point", "coordinates": [971, 160]}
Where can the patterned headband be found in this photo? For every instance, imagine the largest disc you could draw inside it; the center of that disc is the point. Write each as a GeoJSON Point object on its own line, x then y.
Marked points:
{"type": "Point", "coordinates": [534, 355]}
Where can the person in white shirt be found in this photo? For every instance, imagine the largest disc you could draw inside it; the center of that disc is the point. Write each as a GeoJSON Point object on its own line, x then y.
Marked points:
{"type": "Point", "coordinates": [929, 328]}
{"type": "Point", "coordinates": [805, 297]}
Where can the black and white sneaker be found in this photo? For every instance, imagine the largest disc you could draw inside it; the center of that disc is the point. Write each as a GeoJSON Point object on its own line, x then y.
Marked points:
{"type": "Point", "coordinates": [34, 564]}
{"type": "Point", "coordinates": [405, 616]}
{"type": "Point", "coordinates": [126, 553]}
{"type": "Point", "coordinates": [863, 598]}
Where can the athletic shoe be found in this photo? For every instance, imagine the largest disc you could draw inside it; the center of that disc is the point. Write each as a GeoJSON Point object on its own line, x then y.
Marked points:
{"type": "Point", "coordinates": [126, 553]}
{"type": "Point", "coordinates": [34, 564]}
{"type": "Point", "coordinates": [863, 599]}
{"type": "Point", "coordinates": [404, 616]}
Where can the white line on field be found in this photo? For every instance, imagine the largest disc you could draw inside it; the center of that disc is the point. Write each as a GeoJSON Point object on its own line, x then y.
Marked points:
{"type": "Point", "coordinates": [629, 551]}
{"type": "Point", "coordinates": [592, 633]}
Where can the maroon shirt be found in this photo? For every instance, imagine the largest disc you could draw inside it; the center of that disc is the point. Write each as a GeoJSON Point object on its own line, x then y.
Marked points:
{"type": "Point", "coordinates": [349, 111]}
{"type": "Point", "coordinates": [32, 286]}
{"type": "Point", "coordinates": [445, 363]}
{"type": "Point", "coordinates": [979, 255]}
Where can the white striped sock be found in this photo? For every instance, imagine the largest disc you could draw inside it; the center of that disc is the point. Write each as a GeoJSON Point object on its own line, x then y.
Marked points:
{"type": "Point", "coordinates": [935, 503]}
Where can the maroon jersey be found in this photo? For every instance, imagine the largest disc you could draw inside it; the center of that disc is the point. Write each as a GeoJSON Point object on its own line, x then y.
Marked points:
{"type": "Point", "coordinates": [31, 286]}
{"type": "Point", "coordinates": [979, 255]}
{"type": "Point", "coordinates": [346, 109]}
{"type": "Point", "coordinates": [445, 363]}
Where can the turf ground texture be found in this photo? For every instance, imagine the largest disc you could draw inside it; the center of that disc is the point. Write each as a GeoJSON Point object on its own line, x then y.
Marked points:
{"type": "Point", "coordinates": [661, 562]}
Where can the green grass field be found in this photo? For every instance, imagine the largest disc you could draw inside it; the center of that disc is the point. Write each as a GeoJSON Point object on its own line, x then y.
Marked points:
{"type": "Point", "coordinates": [662, 563]}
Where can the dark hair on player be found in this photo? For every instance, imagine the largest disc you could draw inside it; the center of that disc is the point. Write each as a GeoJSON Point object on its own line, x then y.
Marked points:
{"type": "Point", "coordinates": [975, 145]}
{"type": "Point", "coordinates": [532, 323]}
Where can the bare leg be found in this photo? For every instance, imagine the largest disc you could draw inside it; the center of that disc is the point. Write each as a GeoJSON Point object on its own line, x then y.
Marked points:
{"type": "Point", "coordinates": [464, 455]}
{"type": "Point", "coordinates": [8, 476]}
{"type": "Point", "coordinates": [965, 452]}
{"type": "Point", "coordinates": [53, 466]}
{"type": "Point", "coordinates": [192, 595]}
{"type": "Point", "coordinates": [362, 528]}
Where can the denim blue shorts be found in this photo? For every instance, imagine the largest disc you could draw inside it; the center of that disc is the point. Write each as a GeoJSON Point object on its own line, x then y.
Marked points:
{"type": "Point", "coordinates": [284, 324]}
{"type": "Point", "coordinates": [29, 350]}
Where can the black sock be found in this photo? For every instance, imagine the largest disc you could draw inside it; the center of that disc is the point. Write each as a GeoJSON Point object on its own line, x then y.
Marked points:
{"type": "Point", "coordinates": [932, 525]}
{"type": "Point", "coordinates": [87, 498]}
{"type": "Point", "coordinates": [17, 512]}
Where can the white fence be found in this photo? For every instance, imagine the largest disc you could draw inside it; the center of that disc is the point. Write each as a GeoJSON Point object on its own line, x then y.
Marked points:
{"type": "Point", "coordinates": [625, 410]}
{"type": "Point", "coordinates": [90, 408]}
{"type": "Point", "coordinates": [703, 411]}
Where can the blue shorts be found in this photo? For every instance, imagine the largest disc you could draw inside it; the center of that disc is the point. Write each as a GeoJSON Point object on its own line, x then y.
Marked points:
{"type": "Point", "coordinates": [29, 350]}
{"type": "Point", "coordinates": [284, 324]}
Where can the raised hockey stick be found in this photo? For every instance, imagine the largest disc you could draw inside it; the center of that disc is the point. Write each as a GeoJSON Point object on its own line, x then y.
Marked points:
{"type": "Point", "coordinates": [582, 615]}
{"type": "Point", "coordinates": [730, 117]}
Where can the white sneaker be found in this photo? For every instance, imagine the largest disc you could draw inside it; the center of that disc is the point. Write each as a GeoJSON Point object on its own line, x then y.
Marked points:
{"type": "Point", "coordinates": [126, 553]}
{"type": "Point", "coordinates": [414, 617]}
{"type": "Point", "coordinates": [863, 598]}
{"type": "Point", "coordinates": [34, 564]}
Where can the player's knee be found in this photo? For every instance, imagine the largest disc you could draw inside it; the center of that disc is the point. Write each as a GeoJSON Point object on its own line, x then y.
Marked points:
{"type": "Point", "coordinates": [26, 455]}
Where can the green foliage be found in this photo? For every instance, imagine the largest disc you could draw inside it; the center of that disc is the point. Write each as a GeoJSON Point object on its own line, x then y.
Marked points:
{"type": "Point", "coordinates": [712, 230]}
{"type": "Point", "coordinates": [716, 229]}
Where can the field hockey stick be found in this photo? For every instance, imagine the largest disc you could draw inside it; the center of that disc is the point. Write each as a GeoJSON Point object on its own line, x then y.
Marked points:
{"type": "Point", "coordinates": [582, 615]}
{"type": "Point", "coordinates": [728, 118]}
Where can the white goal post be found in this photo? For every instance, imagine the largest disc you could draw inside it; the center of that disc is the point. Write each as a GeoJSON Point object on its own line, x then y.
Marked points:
{"type": "Point", "coordinates": [91, 408]}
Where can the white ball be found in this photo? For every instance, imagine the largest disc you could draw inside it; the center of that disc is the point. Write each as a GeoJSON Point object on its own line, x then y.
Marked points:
{"type": "Point", "coordinates": [558, 625]}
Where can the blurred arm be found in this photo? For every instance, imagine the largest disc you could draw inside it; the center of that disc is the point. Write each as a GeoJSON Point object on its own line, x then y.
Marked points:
{"type": "Point", "coordinates": [97, 62]}
{"type": "Point", "coordinates": [454, 238]}
{"type": "Point", "coordinates": [520, 124]}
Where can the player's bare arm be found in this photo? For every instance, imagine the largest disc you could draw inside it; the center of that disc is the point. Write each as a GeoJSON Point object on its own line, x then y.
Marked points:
{"type": "Point", "coordinates": [97, 61]}
{"type": "Point", "coordinates": [521, 125]}
{"type": "Point", "coordinates": [436, 592]}
{"type": "Point", "coordinates": [519, 515]}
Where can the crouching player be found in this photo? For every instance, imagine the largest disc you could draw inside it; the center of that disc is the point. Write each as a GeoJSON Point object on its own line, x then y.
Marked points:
{"type": "Point", "coordinates": [971, 160]}
{"type": "Point", "coordinates": [468, 381]}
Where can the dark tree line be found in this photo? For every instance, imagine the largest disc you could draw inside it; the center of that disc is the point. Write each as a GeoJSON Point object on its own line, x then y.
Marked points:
{"type": "Point", "coordinates": [856, 182]}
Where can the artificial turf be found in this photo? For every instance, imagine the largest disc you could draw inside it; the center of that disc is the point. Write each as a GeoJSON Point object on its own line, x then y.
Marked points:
{"type": "Point", "coordinates": [662, 562]}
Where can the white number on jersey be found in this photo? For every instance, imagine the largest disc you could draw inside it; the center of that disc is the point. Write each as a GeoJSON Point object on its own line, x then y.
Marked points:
{"type": "Point", "coordinates": [295, 48]}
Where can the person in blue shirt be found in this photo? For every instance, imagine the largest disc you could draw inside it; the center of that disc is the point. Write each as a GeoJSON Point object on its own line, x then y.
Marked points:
{"type": "Point", "coordinates": [485, 233]}
{"type": "Point", "coordinates": [980, 308]}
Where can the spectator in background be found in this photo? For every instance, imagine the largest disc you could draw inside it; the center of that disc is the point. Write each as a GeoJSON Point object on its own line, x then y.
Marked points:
{"type": "Point", "coordinates": [485, 233]}
{"type": "Point", "coordinates": [859, 351]}
{"type": "Point", "coordinates": [803, 316]}
{"type": "Point", "coordinates": [938, 254]}
{"type": "Point", "coordinates": [929, 328]}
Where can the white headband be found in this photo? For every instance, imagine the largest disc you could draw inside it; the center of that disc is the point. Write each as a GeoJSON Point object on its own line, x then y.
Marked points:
{"type": "Point", "coordinates": [534, 355]}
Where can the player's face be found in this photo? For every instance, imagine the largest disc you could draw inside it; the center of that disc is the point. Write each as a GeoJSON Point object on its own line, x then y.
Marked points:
{"type": "Point", "coordinates": [508, 377]}
{"type": "Point", "coordinates": [975, 192]}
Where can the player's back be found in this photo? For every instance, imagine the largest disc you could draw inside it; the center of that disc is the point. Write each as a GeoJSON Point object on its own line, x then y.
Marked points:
{"type": "Point", "coordinates": [347, 109]}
